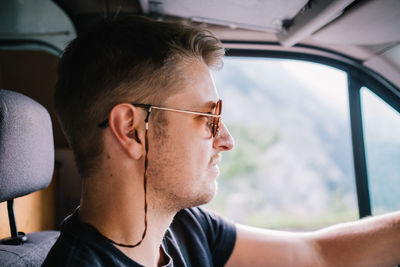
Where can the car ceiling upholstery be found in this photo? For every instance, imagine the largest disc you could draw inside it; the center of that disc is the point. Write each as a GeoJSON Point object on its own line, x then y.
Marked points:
{"type": "Point", "coordinates": [365, 30]}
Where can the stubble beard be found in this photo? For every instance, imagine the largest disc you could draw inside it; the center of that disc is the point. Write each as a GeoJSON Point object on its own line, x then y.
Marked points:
{"type": "Point", "coordinates": [166, 195]}
{"type": "Point", "coordinates": [167, 191]}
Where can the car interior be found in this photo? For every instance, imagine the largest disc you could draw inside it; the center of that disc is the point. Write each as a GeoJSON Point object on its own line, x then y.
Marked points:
{"type": "Point", "coordinates": [39, 183]}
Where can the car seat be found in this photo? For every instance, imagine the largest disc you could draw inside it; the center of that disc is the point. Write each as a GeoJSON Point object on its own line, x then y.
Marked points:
{"type": "Point", "coordinates": [26, 166]}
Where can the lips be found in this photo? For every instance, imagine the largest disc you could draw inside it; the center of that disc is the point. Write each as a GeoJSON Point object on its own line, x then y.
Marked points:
{"type": "Point", "coordinates": [215, 159]}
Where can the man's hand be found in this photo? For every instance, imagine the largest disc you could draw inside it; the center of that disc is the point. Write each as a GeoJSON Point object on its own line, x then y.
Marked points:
{"type": "Point", "coordinates": [372, 241]}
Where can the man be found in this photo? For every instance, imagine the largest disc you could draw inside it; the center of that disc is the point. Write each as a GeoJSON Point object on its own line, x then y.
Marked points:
{"type": "Point", "coordinates": [143, 117]}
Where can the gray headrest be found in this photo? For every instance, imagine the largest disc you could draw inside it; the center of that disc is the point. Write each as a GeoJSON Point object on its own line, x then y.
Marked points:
{"type": "Point", "coordinates": [26, 146]}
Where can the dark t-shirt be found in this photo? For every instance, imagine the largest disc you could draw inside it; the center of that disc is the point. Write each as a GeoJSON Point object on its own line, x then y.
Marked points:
{"type": "Point", "coordinates": [195, 238]}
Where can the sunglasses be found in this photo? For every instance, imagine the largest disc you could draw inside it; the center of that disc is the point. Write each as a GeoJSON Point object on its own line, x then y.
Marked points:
{"type": "Point", "coordinates": [214, 117]}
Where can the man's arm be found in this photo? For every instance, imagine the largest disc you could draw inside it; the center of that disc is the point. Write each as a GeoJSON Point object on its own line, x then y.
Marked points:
{"type": "Point", "coordinates": [372, 241]}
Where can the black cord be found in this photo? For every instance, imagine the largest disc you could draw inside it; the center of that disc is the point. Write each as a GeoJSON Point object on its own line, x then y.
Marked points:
{"type": "Point", "coordinates": [146, 163]}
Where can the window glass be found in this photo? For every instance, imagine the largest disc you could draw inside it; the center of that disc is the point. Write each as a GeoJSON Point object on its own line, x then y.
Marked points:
{"type": "Point", "coordinates": [292, 165]}
{"type": "Point", "coordinates": [382, 145]}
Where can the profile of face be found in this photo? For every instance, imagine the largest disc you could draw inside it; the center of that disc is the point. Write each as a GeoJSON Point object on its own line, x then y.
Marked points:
{"type": "Point", "coordinates": [183, 162]}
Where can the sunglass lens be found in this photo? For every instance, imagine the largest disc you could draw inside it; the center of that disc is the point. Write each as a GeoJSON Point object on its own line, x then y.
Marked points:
{"type": "Point", "coordinates": [217, 121]}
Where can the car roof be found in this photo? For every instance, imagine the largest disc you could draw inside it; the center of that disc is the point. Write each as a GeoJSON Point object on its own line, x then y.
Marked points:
{"type": "Point", "coordinates": [365, 31]}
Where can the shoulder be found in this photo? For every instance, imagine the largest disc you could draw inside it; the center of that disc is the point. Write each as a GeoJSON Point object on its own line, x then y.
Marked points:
{"type": "Point", "coordinates": [65, 253]}
{"type": "Point", "coordinates": [196, 214]}
{"type": "Point", "coordinates": [80, 245]}
{"type": "Point", "coordinates": [205, 231]}
{"type": "Point", "coordinates": [198, 217]}
{"type": "Point", "coordinates": [70, 250]}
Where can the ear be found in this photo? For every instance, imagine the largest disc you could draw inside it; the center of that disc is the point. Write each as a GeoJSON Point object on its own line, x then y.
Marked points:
{"type": "Point", "coordinates": [125, 121]}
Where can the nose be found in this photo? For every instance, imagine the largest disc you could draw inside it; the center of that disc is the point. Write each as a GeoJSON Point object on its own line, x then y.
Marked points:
{"type": "Point", "coordinates": [224, 140]}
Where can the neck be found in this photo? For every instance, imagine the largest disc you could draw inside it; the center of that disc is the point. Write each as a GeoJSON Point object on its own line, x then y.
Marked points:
{"type": "Point", "coordinates": [117, 212]}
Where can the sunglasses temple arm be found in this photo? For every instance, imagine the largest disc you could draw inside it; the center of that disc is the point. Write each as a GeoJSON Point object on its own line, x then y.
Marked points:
{"type": "Point", "coordinates": [188, 111]}
{"type": "Point", "coordinates": [147, 118]}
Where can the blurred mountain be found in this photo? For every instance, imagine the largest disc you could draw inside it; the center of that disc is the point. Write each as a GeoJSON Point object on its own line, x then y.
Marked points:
{"type": "Point", "coordinates": [293, 151]}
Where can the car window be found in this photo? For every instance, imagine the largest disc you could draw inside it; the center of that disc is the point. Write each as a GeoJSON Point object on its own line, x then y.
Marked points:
{"type": "Point", "coordinates": [381, 125]}
{"type": "Point", "coordinates": [292, 165]}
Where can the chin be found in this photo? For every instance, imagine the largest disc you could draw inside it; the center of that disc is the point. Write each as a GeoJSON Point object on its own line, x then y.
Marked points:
{"type": "Point", "coordinates": [214, 191]}
{"type": "Point", "coordinates": [207, 195]}
{"type": "Point", "coordinates": [198, 198]}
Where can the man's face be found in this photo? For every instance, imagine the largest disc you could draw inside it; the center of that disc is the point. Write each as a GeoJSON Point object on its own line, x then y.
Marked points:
{"type": "Point", "coordinates": [183, 162]}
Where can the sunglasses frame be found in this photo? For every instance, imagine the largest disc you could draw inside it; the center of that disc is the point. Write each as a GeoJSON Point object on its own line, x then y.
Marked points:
{"type": "Point", "coordinates": [216, 118]}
